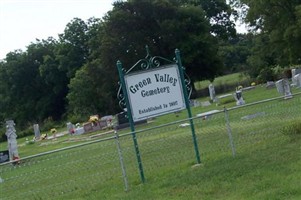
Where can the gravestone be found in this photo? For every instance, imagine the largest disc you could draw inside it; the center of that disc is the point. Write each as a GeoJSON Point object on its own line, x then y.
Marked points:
{"type": "Point", "coordinates": [298, 80]}
{"type": "Point", "coordinates": [4, 156]}
{"type": "Point", "coordinates": [279, 86]}
{"type": "Point", "coordinates": [270, 84]}
{"type": "Point", "coordinates": [294, 77]}
{"type": "Point", "coordinates": [205, 103]}
{"type": "Point", "coordinates": [194, 103]}
{"type": "Point", "coordinates": [79, 130]}
{"type": "Point", "coordinates": [123, 121]}
{"type": "Point", "coordinates": [212, 93]}
{"type": "Point", "coordinates": [283, 88]}
{"type": "Point", "coordinates": [88, 127]}
{"type": "Point", "coordinates": [103, 123]}
{"type": "Point", "coordinates": [91, 126]}
{"type": "Point", "coordinates": [122, 118]}
{"type": "Point", "coordinates": [70, 128]}
{"type": "Point", "coordinates": [37, 132]}
{"type": "Point", "coordinates": [252, 116]}
{"type": "Point", "coordinates": [12, 140]}
{"type": "Point", "coordinates": [238, 97]}
{"type": "Point", "coordinates": [106, 121]}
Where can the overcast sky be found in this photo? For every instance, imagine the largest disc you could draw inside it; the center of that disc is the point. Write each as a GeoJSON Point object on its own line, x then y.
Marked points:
{"type": "Point", "coordinates": [22, 21]}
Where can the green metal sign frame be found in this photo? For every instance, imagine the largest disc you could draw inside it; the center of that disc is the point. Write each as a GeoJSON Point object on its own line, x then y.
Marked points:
{"type": "Point", "coordinates": [147, 63]}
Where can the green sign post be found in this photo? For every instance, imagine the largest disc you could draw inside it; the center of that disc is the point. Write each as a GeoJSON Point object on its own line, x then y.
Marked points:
{"type": "Point", "coordinates": [181, 68]}
{"type": "Point", "coordinates": [158, 88]}
{"type": "Point", "coordinates": [129, 113]}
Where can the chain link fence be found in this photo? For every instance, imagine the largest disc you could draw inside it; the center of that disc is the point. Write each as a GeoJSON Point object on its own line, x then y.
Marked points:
{"type": "Point", "coordinates": [98, 168]}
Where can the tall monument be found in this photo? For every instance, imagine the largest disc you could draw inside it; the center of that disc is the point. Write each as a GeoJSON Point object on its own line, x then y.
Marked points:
{"type": "Point", "coordinates": [12, 140]}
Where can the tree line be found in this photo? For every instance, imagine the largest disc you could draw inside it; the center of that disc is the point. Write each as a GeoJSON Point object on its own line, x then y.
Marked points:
{"type": "Point", "coordinates": [75, 76]}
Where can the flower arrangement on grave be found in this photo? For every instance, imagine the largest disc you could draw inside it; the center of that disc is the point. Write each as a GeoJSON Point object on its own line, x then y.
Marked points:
{"type": "Point", "coordinates": [53, 131]}
{"type": "Point", "coordinates": [94, 119]}
{"type": "Point", "coordinates": [44, 136]}
{"type": "Point", "coordinates": [30, 141]}
{"type": "Point", "coordinates": [77, 125]}
{"type": "Point", "coordinates": [239, 88]}
{"type": "Point", "coordinates": [16, 160]}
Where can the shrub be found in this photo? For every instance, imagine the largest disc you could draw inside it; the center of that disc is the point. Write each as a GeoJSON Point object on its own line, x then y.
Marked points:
{"type": "Point", "coordinates": [274, 73]}
{"type": "Point", "coordinates": [47, 124]}
{"type": "Point", "coordinates": [76, 118]}
{"type": "Point", "coordinates": [27, 132]}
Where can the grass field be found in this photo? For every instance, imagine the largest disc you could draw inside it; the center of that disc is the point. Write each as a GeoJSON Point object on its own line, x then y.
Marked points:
{"type": "Point", "coordinates": [236, 78]}
{"type": "Point", "coordinates": [260, 93]}
{"type": "Point", "coordinates": [266, 165]}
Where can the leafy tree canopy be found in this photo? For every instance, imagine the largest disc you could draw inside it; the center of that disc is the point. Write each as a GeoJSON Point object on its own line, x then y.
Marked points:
{"type": "Point", "coordinates": [278, 26]}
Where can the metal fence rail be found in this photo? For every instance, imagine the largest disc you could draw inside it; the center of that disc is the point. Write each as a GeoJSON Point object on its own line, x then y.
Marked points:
{"type": "Point", "coordinates": [92, 169]}
{"type": "Point", "coordinates": [61, 173]}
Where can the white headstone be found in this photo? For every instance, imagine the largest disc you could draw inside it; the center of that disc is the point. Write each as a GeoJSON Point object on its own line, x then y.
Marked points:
{"type": "Point", "coordinates": [37, 132]}
{"type": "Point", "coordinates": [279, 86]}
{"type": "Point", "coordinates": [205, 103]}
{"type": "Point", "coordinates": [294, 73]}
{"type": "Point", "coordinates": [70, 128]}
{"type": "Point", "coordinates": [298, 80]}
{"type": "Point", "coordinates": [194, 103]}
{"type": "Point", "coordinates": [270, 84]}
{"type": "Point", "coordinates": [287, 89]}
{"type": "Point", "coordinates": [212, 92]}
{"type": "Point", "coordinates": [283, 88]}
{"type": "Point", "coordinates": [12, 140]}
{"type": "Point", "coordinates": [79, 131]}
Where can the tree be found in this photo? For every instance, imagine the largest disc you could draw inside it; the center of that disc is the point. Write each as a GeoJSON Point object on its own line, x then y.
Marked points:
{"type": "Point", "coordinates": [219, 14]}
{"type": "Point", "coordinates": [23, 86]}
{"type": "Point", "coordinates": [81, 98]}
{"type": "Point", "coordinates": [277, 24]}
{"type": "Point", "coordinates": [87, 89]}
{"type": "Point", "coordinates": [164, 26]}
{"type": "Point", "coordinates": [73, 50]}
{"type": "Point", "coordinates": [55, 82]}
{"type": "Point", "coordinates": [235, 52]}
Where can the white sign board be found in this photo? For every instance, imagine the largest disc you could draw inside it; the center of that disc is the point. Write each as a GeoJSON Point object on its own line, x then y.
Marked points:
{"type": "Point", "coordinates": [155, 92]}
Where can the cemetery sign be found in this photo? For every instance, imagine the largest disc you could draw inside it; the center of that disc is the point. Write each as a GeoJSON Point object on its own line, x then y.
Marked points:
{"type": "Point", "coordinates": [155, 92]}
{"type": "Point", "coordinates": [158, 88]}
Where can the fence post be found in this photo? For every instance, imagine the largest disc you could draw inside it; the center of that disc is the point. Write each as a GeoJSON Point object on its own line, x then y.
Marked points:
{"type": "Point", "coordinates": [229, 130]}
{"type": "Point", "coordinates": [125, 180]}
{"type": "Point", "coordinates": [195, 143]}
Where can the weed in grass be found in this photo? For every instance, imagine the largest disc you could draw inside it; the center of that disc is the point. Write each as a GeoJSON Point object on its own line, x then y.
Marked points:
{"type": "Point", "coordinates": [292, 129]}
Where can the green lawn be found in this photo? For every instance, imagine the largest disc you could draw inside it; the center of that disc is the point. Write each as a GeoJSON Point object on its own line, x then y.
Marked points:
{"type": "Point", "coordinates": [254, 95]}
{"type": "Point", "coordinates": [236, 78]}
{"type": "Point", "coordinates": [266, 165]}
